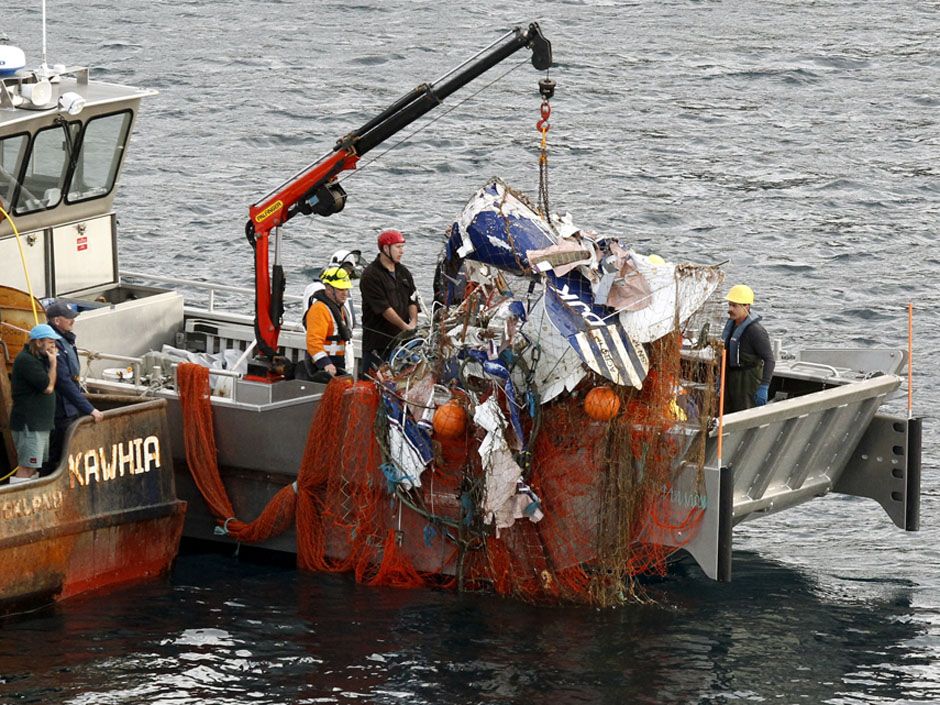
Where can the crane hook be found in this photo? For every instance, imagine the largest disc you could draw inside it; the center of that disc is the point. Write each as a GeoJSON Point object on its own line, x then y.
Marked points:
{"type": "Point", "coordinates": [547, 91]}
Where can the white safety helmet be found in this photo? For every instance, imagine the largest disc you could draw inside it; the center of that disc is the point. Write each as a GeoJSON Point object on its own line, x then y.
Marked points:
{"type": "Point", "coordinates": [349, 258]}
{"type": "Point", "coordinates": [311, 289]}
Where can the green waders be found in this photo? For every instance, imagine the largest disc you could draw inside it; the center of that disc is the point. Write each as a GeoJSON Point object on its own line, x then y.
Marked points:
{"type": "Point", "coordinates": [743, 383]}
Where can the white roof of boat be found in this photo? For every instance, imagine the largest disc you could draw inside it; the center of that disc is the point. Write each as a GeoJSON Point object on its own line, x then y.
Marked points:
{"type": "Point", "coordinates": [75, 80]}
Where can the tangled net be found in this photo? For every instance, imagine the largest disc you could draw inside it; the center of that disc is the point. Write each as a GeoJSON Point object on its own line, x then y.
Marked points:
{"type": "Point", "coordinates": [601, 488]}
{"type": "Point", "coordinates": [522, 444]}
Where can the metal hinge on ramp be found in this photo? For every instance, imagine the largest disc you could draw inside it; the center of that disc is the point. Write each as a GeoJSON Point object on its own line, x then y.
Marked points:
{"type": "Point", "coordinates": [886, 467]}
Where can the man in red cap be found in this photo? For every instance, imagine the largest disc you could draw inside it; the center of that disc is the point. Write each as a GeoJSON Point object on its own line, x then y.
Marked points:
{"type": "Point", "coordinates": [389, 300]}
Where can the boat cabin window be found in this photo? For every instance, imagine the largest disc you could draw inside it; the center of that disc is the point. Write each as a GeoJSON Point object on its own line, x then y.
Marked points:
{"type": "Point", "coordinates": [99, 157]}
{"type": "Point", "coordinates": [12, 150]}
{"type": "Point", "coordinates": [44, 178]}
{"type": "Point", "coordinates": [88, 158]}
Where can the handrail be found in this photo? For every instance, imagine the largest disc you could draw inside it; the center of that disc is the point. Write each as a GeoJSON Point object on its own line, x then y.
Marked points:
{"type": "Point", "coordinates": [187, 282]}
{"type": "Point", "coordinates": [220, 373]}
{"type": "Point", "coordinates": [137, 362]}
{"type": "Point", "coordinates": [833, 372]}
{"type": "Point", "coordinates": [203, 286]}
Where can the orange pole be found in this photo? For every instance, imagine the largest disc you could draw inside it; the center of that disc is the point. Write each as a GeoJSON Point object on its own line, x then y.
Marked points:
{"type": "Point", "coordinates": [721, 405]}
{"type": "Point", "coordinates": [910, 360]}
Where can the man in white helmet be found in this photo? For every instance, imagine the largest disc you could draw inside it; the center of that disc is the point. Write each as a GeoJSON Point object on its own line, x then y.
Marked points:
{"type": "Point", "coordinates": [750, 359]}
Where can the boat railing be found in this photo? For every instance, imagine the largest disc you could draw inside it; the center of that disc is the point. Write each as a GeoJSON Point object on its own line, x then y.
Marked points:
{"type": "Point", "coordinates": [209, 289]}
{"type": "Point", "coordinates": [157, 381]}
{"type": "Point", "coordinates": [819, 367]}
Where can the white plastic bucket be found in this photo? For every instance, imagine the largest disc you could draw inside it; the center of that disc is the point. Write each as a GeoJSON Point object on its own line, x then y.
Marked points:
{"type": "Point", "coordinates": [118, 374]}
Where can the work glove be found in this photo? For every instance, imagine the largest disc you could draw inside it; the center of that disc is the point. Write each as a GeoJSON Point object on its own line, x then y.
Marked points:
{"type": "Point", "coordinates": [760, 396]}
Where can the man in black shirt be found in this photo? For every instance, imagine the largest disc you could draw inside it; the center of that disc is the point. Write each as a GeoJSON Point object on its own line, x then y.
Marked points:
{"type": "Point", "coordinates": [389, 300]}
{"type": "Point", "coordinates": [750, 360]}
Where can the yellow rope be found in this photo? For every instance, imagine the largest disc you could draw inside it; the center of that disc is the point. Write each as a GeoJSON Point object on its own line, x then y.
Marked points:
{"type": "Point", "coordinates": [29, 286]}
{"type": "Point", "coordinates": [19, 245]}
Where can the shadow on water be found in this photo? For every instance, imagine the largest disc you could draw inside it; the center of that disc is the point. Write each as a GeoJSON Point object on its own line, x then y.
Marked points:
{"type": "Point", "coordinates": [224, 631]}
{"type": "Point", "coordinates": [771, 633]}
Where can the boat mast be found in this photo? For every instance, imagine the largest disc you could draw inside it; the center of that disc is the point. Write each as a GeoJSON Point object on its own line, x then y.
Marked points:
{"type": "Point", "coordinates": [45, 66]}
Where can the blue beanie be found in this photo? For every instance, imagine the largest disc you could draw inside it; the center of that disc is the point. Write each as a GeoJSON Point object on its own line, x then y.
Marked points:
{"type": "Point", "coordinates": [43, 330]}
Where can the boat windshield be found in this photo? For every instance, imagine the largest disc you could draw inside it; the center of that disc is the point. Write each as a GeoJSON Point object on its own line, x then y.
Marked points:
{"type": "Point", "coordinates": [12, 150]}
{"type": "Point", "coordinates": [99, 159]}
{"type": "Point", "coordinates": [46, 168]}
{"type": "Point", "coordinates": [79, 161]}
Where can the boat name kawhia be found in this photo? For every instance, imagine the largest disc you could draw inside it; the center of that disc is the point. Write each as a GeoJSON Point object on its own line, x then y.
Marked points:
{"type": "Point", "coordinates": [132, 457]}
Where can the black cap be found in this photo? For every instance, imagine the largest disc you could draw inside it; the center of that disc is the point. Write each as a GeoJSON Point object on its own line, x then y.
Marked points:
{"type": "Point", "coordinates": [57, 308]}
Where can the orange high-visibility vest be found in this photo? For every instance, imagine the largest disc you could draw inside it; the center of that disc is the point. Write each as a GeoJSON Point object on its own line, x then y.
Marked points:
{"type": "Point", "coordinates": [322, 338]}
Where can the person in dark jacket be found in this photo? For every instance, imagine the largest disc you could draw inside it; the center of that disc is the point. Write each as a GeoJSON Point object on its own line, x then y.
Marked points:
{"type": "Point", "coordinates": [750, 359]}
{"type": "Point", "coordinates": [389, 300]}
{"type": "Point", "coordinates": [70, 402]}
{"type": "Point", "coordinates": [33, 390]}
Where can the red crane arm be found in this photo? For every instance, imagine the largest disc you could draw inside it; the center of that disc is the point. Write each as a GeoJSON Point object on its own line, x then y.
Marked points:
{"type": "Point", "coordinates": [276, 209]}
{"type": "Point", "coordinates": [315, 189]}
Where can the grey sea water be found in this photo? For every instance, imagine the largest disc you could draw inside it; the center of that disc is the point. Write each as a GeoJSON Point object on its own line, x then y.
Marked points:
{"type": "Point", "coordinates": [797, 141]}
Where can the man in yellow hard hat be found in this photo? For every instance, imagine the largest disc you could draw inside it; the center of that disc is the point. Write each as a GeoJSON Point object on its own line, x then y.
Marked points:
{"type": "Point", "coordinates": [328, 328]}
{"type": "Point", "coordinates": [348, 260]}
{"type": "Point", "coordinates": [750, 359]}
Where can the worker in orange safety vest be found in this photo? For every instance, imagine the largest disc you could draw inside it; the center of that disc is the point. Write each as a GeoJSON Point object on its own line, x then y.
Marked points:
{"type": "Point", "coordinates": [328, 329]}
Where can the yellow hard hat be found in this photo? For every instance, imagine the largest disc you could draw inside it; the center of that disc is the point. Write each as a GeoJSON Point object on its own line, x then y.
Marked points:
{"type": "Point", "coordinates": [337, 277]}
{"type": "Point", "coordinates": [655, 259]}
{"type": "Point", "coordinates": [740, 294]}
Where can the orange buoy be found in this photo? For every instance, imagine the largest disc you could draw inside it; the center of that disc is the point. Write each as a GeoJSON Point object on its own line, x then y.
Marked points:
{"type": "Point", "coordinates": [602, 403]}
{"type": "Point", "coordinates": [450, 420]}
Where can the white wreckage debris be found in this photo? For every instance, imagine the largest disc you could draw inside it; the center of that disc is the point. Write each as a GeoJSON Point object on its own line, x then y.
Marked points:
{"type": "Point", "coordinates": [590, 293]}
{"type": "Point", "coordinates": [506, 497]}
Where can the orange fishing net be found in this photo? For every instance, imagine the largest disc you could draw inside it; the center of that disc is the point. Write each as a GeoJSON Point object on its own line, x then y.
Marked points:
{"type": "Point", "coordinates": [202, 458]}
{"type": "Point", "coordinates": [592, 509]}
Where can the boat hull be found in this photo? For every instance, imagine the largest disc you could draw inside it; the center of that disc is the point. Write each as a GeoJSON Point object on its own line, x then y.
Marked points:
{"type": "Point", "coordinates": [775, 457]}
{"type": "Point", "coordinates": [821, 435]}
{"type": "Point", "coordinates": [108, 515]}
